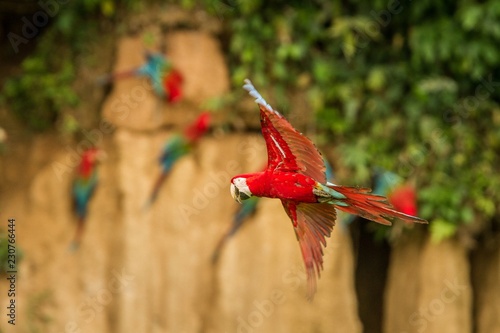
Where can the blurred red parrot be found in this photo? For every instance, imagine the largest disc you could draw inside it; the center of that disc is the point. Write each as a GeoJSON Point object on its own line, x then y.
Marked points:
{"type": "Point", "coordinates": [404, 199]}
{"type": "Point", "coordinates": [84, 186]}
{"type": "Point", "coordinates": [176, 147]}
{"type": "Point", "coordinates": [166, 81]}
{"type": "Point", "coordinates": [296, 175]}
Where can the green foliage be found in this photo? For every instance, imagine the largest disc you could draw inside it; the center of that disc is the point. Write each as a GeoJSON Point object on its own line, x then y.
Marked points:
{"type": "Point", "coordinates": [442, 229]}
{"type": "Point", "coordinates": [40, 93]}
{"type": "Point", "coordinates": [401, 85]}
{"type": "Point", "coordinates": [44, 88]}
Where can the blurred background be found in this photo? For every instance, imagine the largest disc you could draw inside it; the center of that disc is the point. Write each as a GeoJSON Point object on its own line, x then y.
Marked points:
{"type": "Point", "coordinates": [396, 94]}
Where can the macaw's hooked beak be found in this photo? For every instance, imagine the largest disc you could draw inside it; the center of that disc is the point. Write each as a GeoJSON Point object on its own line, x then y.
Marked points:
{"type": "Point", "coordinates": [237, 194]}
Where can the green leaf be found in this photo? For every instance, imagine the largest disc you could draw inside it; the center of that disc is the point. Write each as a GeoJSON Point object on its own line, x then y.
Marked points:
{"type": "Point", "coordinates": [441, 230]}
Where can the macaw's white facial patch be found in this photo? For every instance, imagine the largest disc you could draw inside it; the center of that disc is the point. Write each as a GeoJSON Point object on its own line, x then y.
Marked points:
{"type": "Point", "coordinates": [240, 190]}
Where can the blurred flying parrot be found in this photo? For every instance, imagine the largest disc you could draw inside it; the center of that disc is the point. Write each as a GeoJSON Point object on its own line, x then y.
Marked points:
{"type": "Point", "coordinates": [84, 186]}
{"type": "Point", "coordinates": [401, 195]}
{"type": "Point", "coordinates": [246, 210]}
{"type": "Point", "coordinates": [176, 147]}
{"type": "Point", "coordinates": [165, 79]}
{"type": "Point", "coordinates": [296, 175]}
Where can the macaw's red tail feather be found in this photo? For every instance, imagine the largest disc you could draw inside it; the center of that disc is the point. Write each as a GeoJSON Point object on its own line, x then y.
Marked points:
{"type": "Point", "coordinates": [360, 201]}
{"type": "Point", "coordinates": [156, 190]}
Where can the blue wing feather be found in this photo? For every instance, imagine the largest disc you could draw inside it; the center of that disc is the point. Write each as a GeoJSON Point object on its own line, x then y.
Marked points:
{"type": "Point", "coordinates": [155, 69]}
{"type": "Point", "coordinates": [83, 190]}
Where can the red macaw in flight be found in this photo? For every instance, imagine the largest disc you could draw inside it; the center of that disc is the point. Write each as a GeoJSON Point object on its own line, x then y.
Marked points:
{"type": "Point", "coordinates": [296, 175]}
{"type": "Point", "coordinates": [248, 209]}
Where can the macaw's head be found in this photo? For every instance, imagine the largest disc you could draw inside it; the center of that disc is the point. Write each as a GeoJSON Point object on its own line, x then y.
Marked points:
{"type": "Point", "coordinates": [200, 126]}
{"type": "Point", "coordinates": [239, 189]}
{"type": "Point", "coordinates": [90, 158]}
{"type": "Point", "coordinates": [404, 199]}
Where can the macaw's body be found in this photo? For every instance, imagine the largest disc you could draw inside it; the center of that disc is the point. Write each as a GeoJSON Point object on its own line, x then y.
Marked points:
{"type": "Point", "coordinates": [165, 80]}
{"type": "Point", "coordinates": [84, 186]}
{"type": "Point", "coordinates": [296, 175]}
{"type": "Point", "coordinates": [176, 147]}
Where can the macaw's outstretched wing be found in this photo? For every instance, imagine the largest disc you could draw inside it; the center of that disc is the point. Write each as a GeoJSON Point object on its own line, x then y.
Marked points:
{"type": "Point", "coordinates": [312, 224]}
{"type": "Point", "coordinates": [287, 149]}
